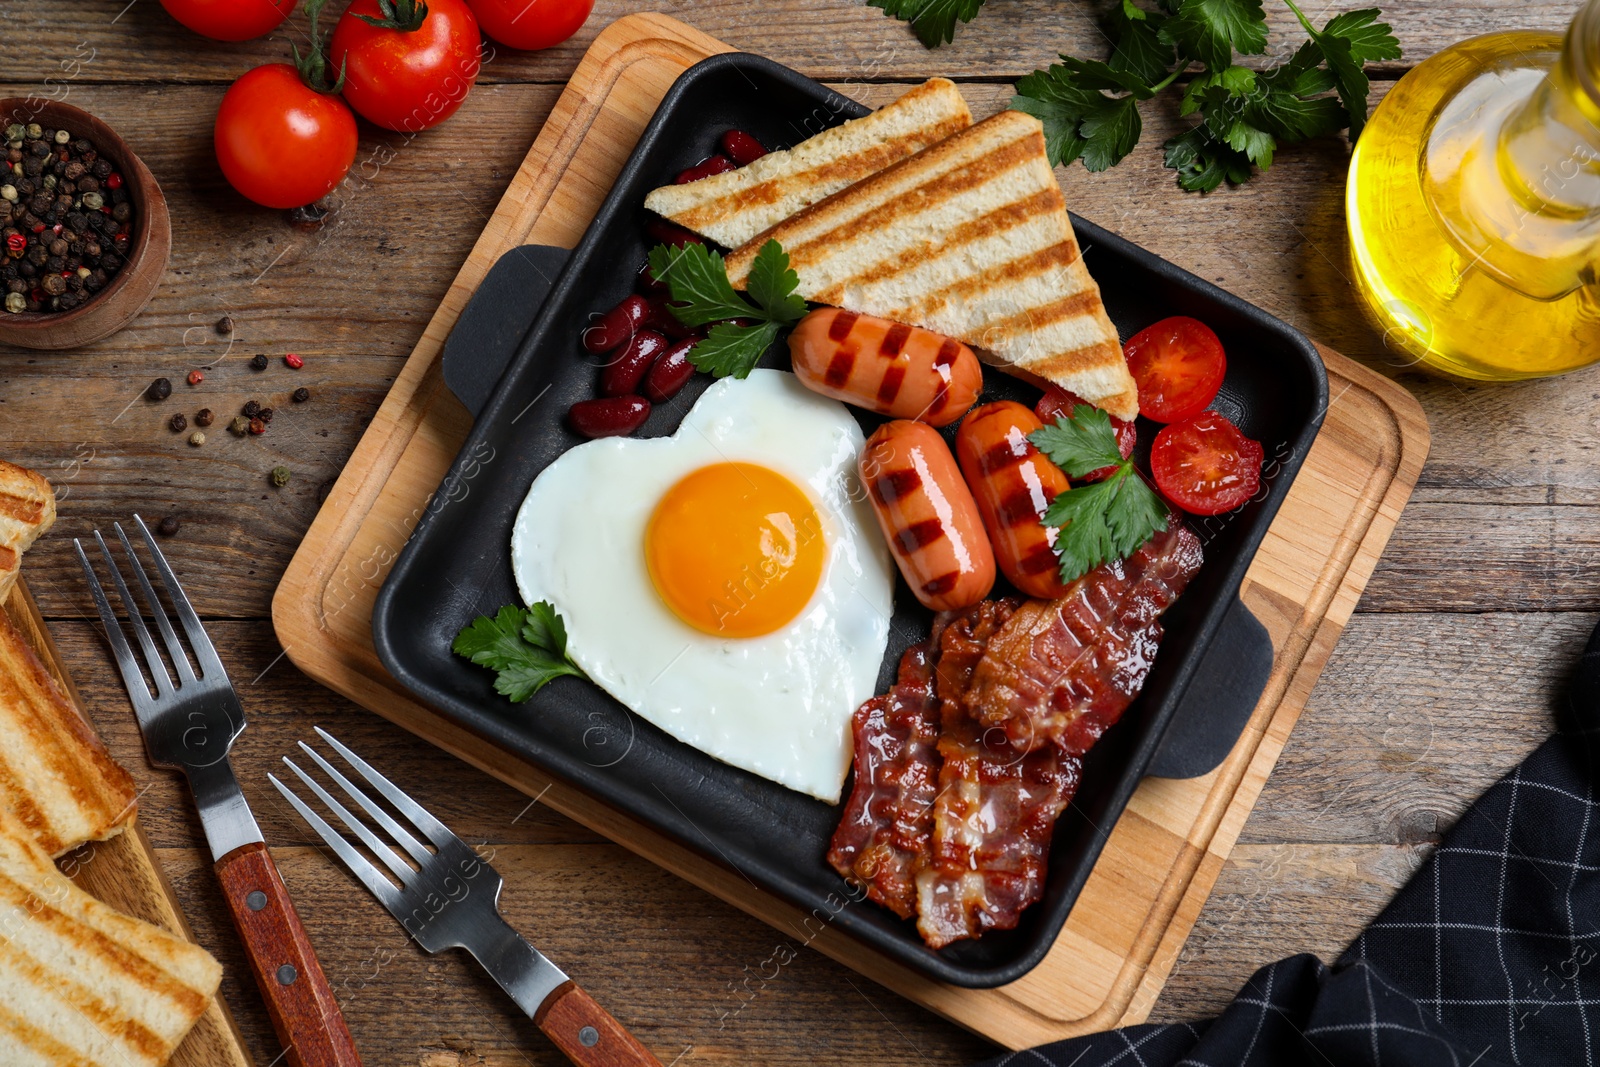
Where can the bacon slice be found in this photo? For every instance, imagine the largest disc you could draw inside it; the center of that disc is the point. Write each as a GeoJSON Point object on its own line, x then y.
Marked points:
{"type": "Point", "coordinates": [1061, 672]}
{"type": "Point", "coordinates": [996, 808]}
{"type": "Point", "coordinates": [884, 837]}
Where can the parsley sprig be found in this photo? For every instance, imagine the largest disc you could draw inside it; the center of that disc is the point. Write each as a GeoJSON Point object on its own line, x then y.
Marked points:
{"type": "Point", "coordinates": [526, 648]}
{"type": "Point", "coordinates": [1099, 521]}
{"type": "Point", "coordinates": [697, 279]}
{"type": "Point", "coordinates": [1090, 108]}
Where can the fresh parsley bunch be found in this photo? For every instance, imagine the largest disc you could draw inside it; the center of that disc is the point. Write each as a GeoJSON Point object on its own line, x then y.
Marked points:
{"type": "Point", "coordinates": [1090, 109]}
{"type": "Point", "coordinates": [1096, 522]}
{"type": "Point", "coordinates": [526, 648]}
{"type": "Point", "coordinates": [697, 278]}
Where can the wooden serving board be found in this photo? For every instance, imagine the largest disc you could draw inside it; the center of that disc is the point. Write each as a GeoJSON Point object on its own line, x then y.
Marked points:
{"type": "Point", "coordinates": [123, 871]}
{"type": "Point", "coordinates": [1163, 855]}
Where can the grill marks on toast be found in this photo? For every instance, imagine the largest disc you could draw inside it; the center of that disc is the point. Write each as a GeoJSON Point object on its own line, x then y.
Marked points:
{"type": "Point", "coordinates": [734, 207]}
{"type": "Point", "coordinates": [969, 238]}
{"type": "Point", "coordinates": [81, 983]}
{"type": "Point", "coordinates": [55, 774]}
{"type": "Point", "coordinates": [27, 509]}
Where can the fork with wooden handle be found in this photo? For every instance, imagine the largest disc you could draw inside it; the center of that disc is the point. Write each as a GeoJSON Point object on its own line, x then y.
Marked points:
{"type": "Point", "coordinates": [189, 724]}
{"type": "Point", "coordinates": [448, 898]}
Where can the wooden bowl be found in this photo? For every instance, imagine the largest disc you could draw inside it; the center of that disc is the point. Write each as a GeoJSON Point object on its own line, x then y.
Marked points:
{"type": "Point", "coordinates": [125, 295]}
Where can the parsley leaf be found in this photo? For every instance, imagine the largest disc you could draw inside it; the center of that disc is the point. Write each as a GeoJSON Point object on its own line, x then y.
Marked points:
{"type": "Point", "coordinates": [527, 649]}
{"type": "Point", "coordinates": [697, 279]}
{"type": "Point", "coordinates": [934, 21]}
{"type": "Point", "coordinates": [1099, 521]}
{"type": "Point", "coordinates": [1089, 109]}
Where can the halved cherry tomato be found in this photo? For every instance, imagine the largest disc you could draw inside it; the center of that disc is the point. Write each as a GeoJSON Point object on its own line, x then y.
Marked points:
{"type": "Point", "coordinates": [1205, 465]}
{"type": "Point", "coordinates": [1178, 365]}
{"type": "Point", "coordinates": [1058, 401]}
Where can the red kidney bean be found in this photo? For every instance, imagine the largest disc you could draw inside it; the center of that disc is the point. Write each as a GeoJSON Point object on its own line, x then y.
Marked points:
{"type": "Point", "coordinates": [661, 318]}
{"type": "Point", "coordinates": [704, 169]}
{"type": "Point", "coordinates": [608, 416]}
{"type": "Point", "coordinates": [616, 325]}
{"type": "Point", "coordinates": [628, 365]}
{"type": "Point", "coordinates": [670, 372]}
{"type": "Point", "coordinates": [670, 233]}
{"type": "Point", "coordinates": [741, 147]}
{"type": "Point", "coordinates": [648, 284]}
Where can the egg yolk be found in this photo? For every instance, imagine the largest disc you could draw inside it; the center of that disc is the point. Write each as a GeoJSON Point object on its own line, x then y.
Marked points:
{"type": "Point", "coordinates": [735, 549]}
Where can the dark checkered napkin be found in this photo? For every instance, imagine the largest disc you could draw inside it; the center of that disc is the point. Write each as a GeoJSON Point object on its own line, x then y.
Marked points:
{"type": "Point", "coordinates": [1489, 956]}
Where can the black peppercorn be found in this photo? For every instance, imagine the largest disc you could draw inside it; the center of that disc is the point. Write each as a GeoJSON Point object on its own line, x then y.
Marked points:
{"type": "Point", "coordinates": [265, 414]}
{"type": "Point", "coordinates": [225, 325]}
{"type": "Point", "coordinates": [301, 395]}
{"type": "Point", "coordinates": [167, 527]}
{"type": "Point", "coordinates": [258, 362]}
{"type": "Point", "coordinates": [251, 409]}
{"type": "Point", "coordinates": [178, 422]}
{"type": "Point", "coordinates": [159, 389]}
{"type": "Point", "coordinates": [203, 417]}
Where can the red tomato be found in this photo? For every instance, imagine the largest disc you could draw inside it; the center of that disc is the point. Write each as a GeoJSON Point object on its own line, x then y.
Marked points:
{"type": "Point", "coordinates": [1205, 465]}
{"type": "Point", "coordinates": [1058, 401]}
{"type": "Point", "coordinates": [230, 20]}
{"type": "Point", "coordinates": [413, 75]}
{"type": "Point", "coordinates": [1179, 366]}
{"type": "Point", "coordinates": [281, 143]}
{"type": "Point", "coordinates": [531, 24]}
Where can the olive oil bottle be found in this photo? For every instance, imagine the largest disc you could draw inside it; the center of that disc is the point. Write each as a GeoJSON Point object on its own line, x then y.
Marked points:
{"type": "Point", "coordinates": [1474, 206]}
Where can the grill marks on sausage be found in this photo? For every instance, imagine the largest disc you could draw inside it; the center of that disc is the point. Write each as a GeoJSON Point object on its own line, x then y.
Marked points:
{"type": "Point", "coordinates": [839, 367]}
{"type": "Point", "coordinates": [842, 324]}
{"type": "Point", "coordinates": [920, 535]}
{"type": "Point", "coordinates": [893, 379]}
{"type": "Point", "coordinates": [893, 485]}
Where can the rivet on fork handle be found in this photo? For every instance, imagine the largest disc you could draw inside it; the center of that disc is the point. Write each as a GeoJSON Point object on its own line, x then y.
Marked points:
{"type": "Point", "coordinates": [587, 1033]}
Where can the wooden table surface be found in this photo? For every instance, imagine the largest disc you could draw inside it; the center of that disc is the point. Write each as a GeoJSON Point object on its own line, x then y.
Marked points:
{"type": "Point", "coordinates": [1443, 680]}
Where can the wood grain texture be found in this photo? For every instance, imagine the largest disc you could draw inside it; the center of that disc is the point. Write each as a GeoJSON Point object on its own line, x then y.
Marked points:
{"type": "Point", "coordinates": [587, 1034]}
{"type": "Point", "coordinates": [1159, 861]}
{"type": "Point", "coordinates": [124, 871]}
{"type": "Point", "coordinates": [303, 1006]}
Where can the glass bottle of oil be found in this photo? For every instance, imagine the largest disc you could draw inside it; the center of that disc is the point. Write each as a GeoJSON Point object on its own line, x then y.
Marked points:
{"type": "Point", "coordinates": [1474, 206]}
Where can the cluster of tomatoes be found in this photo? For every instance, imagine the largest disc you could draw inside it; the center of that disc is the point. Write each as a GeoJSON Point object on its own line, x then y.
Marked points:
{"type": "Point", "coordinates": [286, 134]}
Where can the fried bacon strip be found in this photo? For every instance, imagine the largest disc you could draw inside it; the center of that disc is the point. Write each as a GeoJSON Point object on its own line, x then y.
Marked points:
{"type": "Point", "coordinates": [1061, 672]}
{"type": "Point", "coordinates": [885, 834]}
{"type": "Point", "coordinates": [995, 810]}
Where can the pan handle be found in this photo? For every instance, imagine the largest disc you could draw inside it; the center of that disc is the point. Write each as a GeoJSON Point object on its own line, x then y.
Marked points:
{"type": "Point", "coordinates": [491, 327]}
{"type": "Point", "coordinates": [1227, 684]}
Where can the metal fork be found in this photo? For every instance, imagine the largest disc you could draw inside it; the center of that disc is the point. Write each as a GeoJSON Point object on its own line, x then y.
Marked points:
{"type": "Point", "coordinates": [189, 723]}
{"type": "Point", "coordinates": [448, 897]}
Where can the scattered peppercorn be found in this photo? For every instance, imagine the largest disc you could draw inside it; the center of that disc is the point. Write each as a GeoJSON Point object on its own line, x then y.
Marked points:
{"type": "Point", "coordinates": [257, 427]}
{"type": "Point", "coordinates": [240, 426]}
{"type": "Point", "coordinates": [159, 389]}
{"type": "Point", "coordinates": [196, 377]}
{"type": "Point", "coordinates": [167, 526]}
{"type": "Point", "coordinates": [294, 361]}
{"type": "Point", "coordinates": [258, 362]}
{"type": "Point", "coordinates": [225, 325]}
{"type": "Point", "coordinates": [265, 414]}
{"type": "Point", "coordinates": [307, 218]}
{"type": "Point", "coordinates": [64, 214]}
{"type": "Point", "coordinates": [301, 395]}
{"type": "Point", "coordinates": [251, 409]}
{"type": "Point", "coordinates": [197, 439]}
{"type": "Point", "coordinates": [178, 422]}
{"type": "Point", "coordinates": [280, 476]}
{"type": "Point", "coordinates": [203, 417]}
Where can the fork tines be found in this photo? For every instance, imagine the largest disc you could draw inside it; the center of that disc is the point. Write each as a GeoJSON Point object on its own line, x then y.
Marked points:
{"type": "Point", "coordinates": [405, 837]}
{"type": "Point", "coordinates": [211, 670]}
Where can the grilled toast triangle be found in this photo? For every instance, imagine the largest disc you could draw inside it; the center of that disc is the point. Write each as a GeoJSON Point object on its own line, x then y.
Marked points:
{"type": "Point", "coordinates": [81, 984]}
{"type": "Point", "coordinates": [969, 238]}
{"type": "Point", "coordinates": [732, 207]}
{"type": "Point", "coordinates": [27, 509]}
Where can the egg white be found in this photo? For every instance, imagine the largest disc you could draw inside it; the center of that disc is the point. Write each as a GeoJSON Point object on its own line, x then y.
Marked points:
{"type": "Point", "coordinates": [778, 705]}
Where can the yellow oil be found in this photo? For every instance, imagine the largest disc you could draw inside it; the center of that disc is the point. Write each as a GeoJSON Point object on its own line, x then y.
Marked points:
{"type": "Point", "coordinates": [1474, 208]}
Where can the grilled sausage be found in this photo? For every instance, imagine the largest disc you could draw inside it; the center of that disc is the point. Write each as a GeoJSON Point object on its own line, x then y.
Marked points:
{"type": "Point", "coordinates": [927, 515]}
{"type": "Point", "coordinates": [1013, 483]}
{"type": "Point", "coordinates": [905, 372]}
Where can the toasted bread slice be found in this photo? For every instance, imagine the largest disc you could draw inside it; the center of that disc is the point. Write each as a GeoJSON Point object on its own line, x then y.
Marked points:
{"type": "Point", "coordinates": [56, 778]}
{"type": "Point", "coordinates": [81, 984]}
{"type": "Point", "coordinates": [733, 207]}
{"type": "Point", "coordinates": [27, 508]}
{"type": "Point", "coordinates": [969, 238]}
